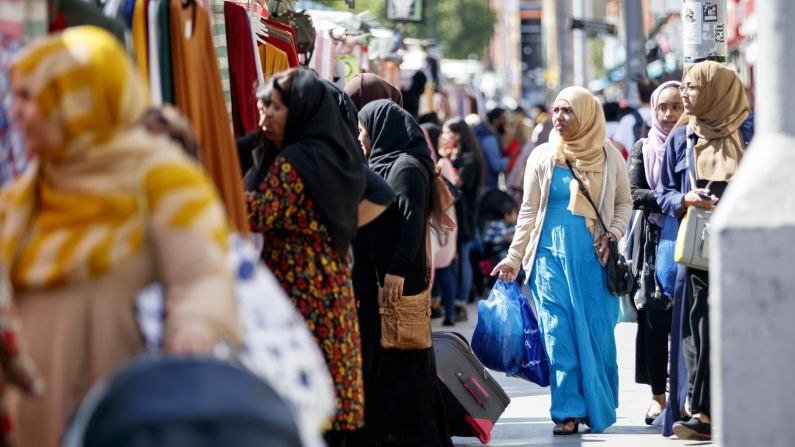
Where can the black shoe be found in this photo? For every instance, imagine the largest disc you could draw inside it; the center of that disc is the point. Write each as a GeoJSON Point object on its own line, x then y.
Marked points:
{"type": "Point", "coordinates": [461, 314]}
{"type": "Point", "coordinates": [448, 322]}
{"type": "Point", "coordinates": [651, 416]}
{"type": "Point", "coordinates": [693, 429]}
{"type": "Point", "coordinates": [436, 313]}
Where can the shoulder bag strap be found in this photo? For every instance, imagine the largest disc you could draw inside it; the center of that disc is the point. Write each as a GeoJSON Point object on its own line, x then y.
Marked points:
{"type": "Point", "coordinates": [587, 195]}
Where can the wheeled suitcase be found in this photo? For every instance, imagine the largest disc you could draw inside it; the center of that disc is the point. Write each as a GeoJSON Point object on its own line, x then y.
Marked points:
{"type": "Point", "coordinates": [473, 399]}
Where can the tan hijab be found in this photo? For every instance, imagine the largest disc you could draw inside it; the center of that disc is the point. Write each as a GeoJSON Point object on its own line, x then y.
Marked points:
{"type": "Point", "coordinates": [721, 110]}
{"type": "Point", "coordinates": [585, 150]}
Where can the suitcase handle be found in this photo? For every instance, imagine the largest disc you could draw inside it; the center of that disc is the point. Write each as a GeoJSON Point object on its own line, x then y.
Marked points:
{"type": "Point", "coordinates": [473, 387]}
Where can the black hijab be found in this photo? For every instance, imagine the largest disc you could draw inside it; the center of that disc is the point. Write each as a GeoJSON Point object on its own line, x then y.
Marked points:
{"type": "Point", "coordinates": [345, 104]}
{"type": "Point", "coordinates": [318, 144]}
{"type": "Point", "coordinates": [393, 132]}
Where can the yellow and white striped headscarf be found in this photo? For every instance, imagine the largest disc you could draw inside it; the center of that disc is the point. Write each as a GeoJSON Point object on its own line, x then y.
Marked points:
{"type": "Point", "coordinates": [75, 214]}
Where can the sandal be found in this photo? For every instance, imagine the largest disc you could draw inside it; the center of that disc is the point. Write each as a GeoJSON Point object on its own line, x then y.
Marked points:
{"type": "Point", "coordinates": [569, 426]}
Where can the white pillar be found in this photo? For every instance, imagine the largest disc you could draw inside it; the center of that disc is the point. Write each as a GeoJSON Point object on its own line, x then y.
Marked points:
{"type": "Point", "coordinates": [752, 275]}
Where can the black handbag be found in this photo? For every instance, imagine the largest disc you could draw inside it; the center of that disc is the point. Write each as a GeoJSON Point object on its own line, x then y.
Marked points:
{"type": "Point", "coordinates": [304, 29]}
{"type": "Point", "coordinates": [619, 276]}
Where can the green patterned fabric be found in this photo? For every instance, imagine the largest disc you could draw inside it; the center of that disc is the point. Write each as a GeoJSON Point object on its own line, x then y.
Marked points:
{"type": "Point", "coordinates": [219, 39]}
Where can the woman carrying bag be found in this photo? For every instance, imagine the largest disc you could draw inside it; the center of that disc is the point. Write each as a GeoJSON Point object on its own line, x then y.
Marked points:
{"type": "Point", "coordinates": [560, 241]}
{"type": "Point", "coordinates": [654, 306]}
{"type": "Point", "coordinates": [700, 161]}
{"type": "Point", "coordinates": [404, 402]}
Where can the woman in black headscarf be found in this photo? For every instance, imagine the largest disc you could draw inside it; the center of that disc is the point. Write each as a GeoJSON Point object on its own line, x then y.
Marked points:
{"type": "Point", "coordinates": [304, 188]}
{"type": "Point", "coordinates": [404, 404]}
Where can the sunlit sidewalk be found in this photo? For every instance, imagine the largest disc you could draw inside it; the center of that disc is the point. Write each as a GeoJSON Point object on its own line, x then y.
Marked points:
{"type": "Point", "coordinates": [526, 421]}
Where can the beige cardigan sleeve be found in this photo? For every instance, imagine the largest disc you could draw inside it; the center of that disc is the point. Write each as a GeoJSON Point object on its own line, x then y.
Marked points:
{"type": "Point", "coordinates": [623, 200]}
{"type": "Point", "coordinates": [528, 213]}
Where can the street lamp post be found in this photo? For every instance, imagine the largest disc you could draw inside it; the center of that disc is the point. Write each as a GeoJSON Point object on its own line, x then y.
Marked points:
{"type": "Point", "coordinates": [635, 66]}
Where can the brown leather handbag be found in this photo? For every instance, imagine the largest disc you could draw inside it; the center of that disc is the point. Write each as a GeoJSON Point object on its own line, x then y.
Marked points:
{"type": "Point", "coordinates": [406, 323]}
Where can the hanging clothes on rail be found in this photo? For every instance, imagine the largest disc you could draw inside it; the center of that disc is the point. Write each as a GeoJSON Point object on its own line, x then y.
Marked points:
{"type": "Point", "coordinates": [69, 13]}
{"type": "Point", "coordinates": [164, 51]}
{"type": "Point", "coordinates": [153, 36]}
{"type": "Point", "coordinates": [274, 60]}
{"type": "Point", "coordinates": [282, 36]}
{"type": "Point", "coordinates": [218, 23]}
{"type": "Point", "coordinates": [242, 69]}
{"type": "Point", "coordinates": [198, 93]}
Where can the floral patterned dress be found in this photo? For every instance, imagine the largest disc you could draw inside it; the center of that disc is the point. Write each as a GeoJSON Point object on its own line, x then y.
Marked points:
{"type": "Point", "coordinates": [298, 249]}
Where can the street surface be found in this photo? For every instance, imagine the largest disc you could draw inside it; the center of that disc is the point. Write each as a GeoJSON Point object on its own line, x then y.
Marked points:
{"type": "Point", "coordinates": [526, 421]}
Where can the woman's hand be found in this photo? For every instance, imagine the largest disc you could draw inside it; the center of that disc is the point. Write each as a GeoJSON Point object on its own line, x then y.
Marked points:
{"type": "Point", "coordinates": [504, 271]}
{"type": "Point", "coordinates": [393, 287]}
{"type": "Point", "coordinates": [601, 246]}
{"type": "Point", "coordinates": [700, 198]}
{"type": "Point", "coordinates": [192, 339]}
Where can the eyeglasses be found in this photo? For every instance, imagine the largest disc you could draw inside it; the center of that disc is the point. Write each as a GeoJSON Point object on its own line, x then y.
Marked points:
{"type": "Point", "coordinates": [687, 89]}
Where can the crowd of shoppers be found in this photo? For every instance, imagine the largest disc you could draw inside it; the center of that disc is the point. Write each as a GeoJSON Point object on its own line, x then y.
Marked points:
{"type": "Point", "coordinates": [345, 192]}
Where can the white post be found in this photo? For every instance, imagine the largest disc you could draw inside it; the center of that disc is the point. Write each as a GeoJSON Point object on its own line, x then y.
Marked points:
{"type": "Point", "coordinates": [752, 276]}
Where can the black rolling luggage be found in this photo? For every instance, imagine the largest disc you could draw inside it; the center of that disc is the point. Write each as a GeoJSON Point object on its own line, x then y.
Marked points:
{"type": "Point", "coordinates": [473, 399]}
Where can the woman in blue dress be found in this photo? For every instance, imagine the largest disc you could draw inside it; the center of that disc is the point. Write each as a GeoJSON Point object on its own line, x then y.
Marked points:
{"type": "Point", "coordinates": [558, 239]}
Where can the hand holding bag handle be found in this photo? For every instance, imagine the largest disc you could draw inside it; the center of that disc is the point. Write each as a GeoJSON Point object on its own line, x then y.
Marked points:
{"type": "Point", "coordinates": [619, 276]}
{"type": "Point", "coordinates": [406, 322]}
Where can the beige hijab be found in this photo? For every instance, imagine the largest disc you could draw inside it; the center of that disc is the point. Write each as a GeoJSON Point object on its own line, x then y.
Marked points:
{"type": "Point", "coordinates": [585, 150]}
{"type": "Point", "coordinates": [721, 110]}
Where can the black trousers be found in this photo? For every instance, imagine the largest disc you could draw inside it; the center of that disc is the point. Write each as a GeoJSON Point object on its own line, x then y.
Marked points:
{"type": "Point", "coordinates": [651, 349]}
{"type": "Point", "coordinates": [695, 340]}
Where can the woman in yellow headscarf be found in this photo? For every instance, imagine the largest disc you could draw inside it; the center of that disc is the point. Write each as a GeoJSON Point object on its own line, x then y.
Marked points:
{"type": "Point", "coordinates": [104, 211]}
{"type": "Point", "coordinates": [562, 248]}
{"type": "Point", "coordinates": [700, 161]}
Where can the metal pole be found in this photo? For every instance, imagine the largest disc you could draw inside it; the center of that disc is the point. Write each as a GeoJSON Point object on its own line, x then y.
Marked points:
{"type": "Point", "coordinates": [635, 65]}
{"type": "Point", "coordinates": [704, 30]}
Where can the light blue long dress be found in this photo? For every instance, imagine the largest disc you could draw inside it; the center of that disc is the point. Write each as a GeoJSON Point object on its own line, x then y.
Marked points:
{"type": "Point", "coordinates": [577, 314]}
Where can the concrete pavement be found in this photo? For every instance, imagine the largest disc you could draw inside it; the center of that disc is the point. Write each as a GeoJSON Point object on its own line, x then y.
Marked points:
{"type": "Point", "coordinates": [526, 422]}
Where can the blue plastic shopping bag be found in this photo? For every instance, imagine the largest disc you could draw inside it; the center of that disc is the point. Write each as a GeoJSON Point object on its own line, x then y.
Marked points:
{"type": "Point", "coordinates": [499, 334]}
{"type": "Point", "coordinates": [666, 267]}
{"type": "Point", "coordinates": [535, 367]}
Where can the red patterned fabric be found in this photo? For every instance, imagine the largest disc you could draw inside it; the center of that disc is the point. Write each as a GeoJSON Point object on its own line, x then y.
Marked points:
{"type": "Point", "coordinates": [299, 251]}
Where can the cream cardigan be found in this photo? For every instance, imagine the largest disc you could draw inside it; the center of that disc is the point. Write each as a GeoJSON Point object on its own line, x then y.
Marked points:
{"type": "Point", "coordinates": [615, 203]}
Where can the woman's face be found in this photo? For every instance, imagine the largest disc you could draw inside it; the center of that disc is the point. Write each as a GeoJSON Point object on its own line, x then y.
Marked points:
{"type": "Point", "coordinates": [449, 141]}
{"type": "Point", "coordinates": [40, 134]}
{"type": "Point", "coordinates": [273, 117]}
{"type": "Point", "coordinates": [563, 119]}
{"type": "Point", "coordinates": [690, 94]}
{"type": "Point", "coordinates": [669, 108]}
{"type": "Point", "coordinates": [364, 138]}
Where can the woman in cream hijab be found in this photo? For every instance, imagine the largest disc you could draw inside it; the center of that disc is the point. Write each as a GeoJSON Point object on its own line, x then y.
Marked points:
{"type": "Point", "coordinates": [708, 150]}
{"type": "Point", "coordinates": [560, 243]}
{"type": "Point", "coordinates": [76, 242]}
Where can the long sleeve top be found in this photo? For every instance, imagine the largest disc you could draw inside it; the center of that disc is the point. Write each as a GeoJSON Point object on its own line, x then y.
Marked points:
{"type": "Point", "coordinates": [643, 197]}
{"type": "Point", "coordinates": [616, 202]}
{"type": "Point", "coordinates": [674, 181]}
{"type": "Point", "coordinates": [399, 233]}
{"type": "Point", "coordinates": [376, 189]}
